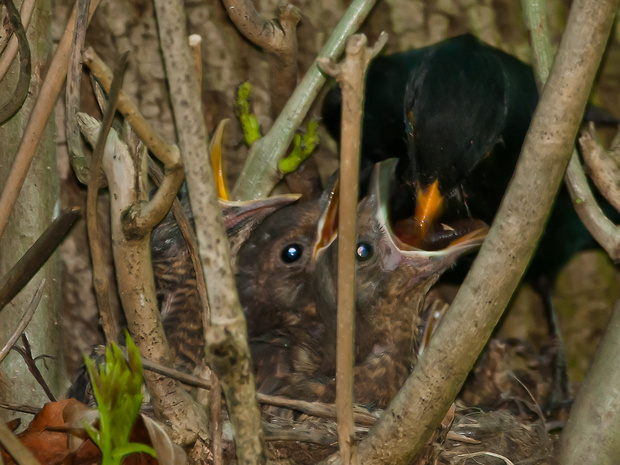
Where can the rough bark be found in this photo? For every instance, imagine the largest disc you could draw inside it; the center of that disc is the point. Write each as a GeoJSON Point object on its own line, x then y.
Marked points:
{"type": "Point", "coordinates": [33, 212]}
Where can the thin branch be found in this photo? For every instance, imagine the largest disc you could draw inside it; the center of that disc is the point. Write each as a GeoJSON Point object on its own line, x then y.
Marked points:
{"type": "Point", "coordinates": [195, 43]}
{"type": "Point", "coordinates": [26, 354]}
{"type": "Point", "coordinates": [228, 352]}
{"type": "Point", "coordinates": [25, 66]}
{"type": "Point", "coordinates": [100, 277]}
{"type": "Point", "coordinates": [39, 115]}
{"type": "Point", "coordinates": [590, 213]}
{"type": "Point", "coordinates": [36, 256]}
{"type": "Point", "coordinates": [23, 323]}
{"type": "Point", "coordinates": [351, 76]}
{"type": "Point", "coordinates": [277, 38]}
{"type": "Point", "coordinates": [441, 370]}
{"type": "Point", "coordinates": [13, 446]}
{"type": "Point", "coordinates": [72, 97]}
{"type": "Point", "coordinates": [166, 153]}
{"type": "Point", "coordinates": [9, 54]}
{"type": "Point", "coordinates": [261, 171]}
{"type": "Point", "coordinates": [316, 409]}
{"type": "Point", "coordinates": [604, 165]}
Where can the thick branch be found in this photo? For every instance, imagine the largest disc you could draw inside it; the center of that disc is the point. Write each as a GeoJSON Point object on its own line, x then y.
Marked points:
{"type": "Point", "coordinates": [590, 213]}
{"type": "Point", "coordinates": [38, 120]}
{"type": "Point", "coordinates": [277, 38]}
{"type": "Point", "coordinates": [226, 316]}
{"type": "Point", "coordinates": [132, 259]}
{"type": "Point", "coordinates": [591, 432]}
{"type": "Point", "coordinates": [261, 172]}
{"type": "Point", "coordinates": [419, 407]}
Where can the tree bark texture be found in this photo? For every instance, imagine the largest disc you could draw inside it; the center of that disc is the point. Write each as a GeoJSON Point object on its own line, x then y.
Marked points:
{"type": "Point", "coordinates": [36, 207]}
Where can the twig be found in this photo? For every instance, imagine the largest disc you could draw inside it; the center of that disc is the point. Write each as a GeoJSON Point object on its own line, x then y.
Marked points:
{"type": "Point", "coordinates": [36, 256]}
{"type": "Point", "coordinates": [23, 323]}
{"type": "Point", "coordinates": [38, 120]}
{"type": "Point", "coordinates": [72, 97]}
{"type": "Point", "coordinates": [590, 213]}
{"type": "Point", "coordinates": [215, 406]}
{"type": "Point", "coordinates": [26, 354]}
{"type": "Point", "coordinates": [18, 451]}
{"type": "Point", "coordinates": [277, 38]}
{"type": "Point", "coordinates": [603, 165]}
{"type": "Point", "coordinates": [23, 83]}
{"type": "Point", "coordinates": [20, 408]}
{"type": "Point", "coordinates": [100, 277]}
{"type": "Point", "coordinates": [227, 352]}
{"type": "Point", "coordinates": [350, 74]}
{"type": "Point", "coordinates": [261, 172]}
{"type": "Point", "coordinates": [195, 43]}
{"type": "Point", "coordinates": [316, 409]}
{"type": "Point", "coordinates": [156, 144]}
{"type": "Point", "coordinates": [8, 55]}
{"type": "Point", "coordinates": [441, 370]}
{"type": "Point", "coordinates": [484, 453]}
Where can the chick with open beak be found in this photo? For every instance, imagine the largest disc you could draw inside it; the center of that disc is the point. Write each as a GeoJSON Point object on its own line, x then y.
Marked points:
{"type": "Point", "coordinates": [392, 280]}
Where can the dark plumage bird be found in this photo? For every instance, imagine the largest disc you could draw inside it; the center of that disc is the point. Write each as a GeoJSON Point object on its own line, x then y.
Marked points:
{"type": "Point", "coordinates": [456, 114]}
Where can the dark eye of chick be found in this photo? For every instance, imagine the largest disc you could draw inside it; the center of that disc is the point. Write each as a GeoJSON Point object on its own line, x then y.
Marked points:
{"type": "Point", "coordinates": [363, 251]}
{"type": "Point", "coordinates": [291, 253]}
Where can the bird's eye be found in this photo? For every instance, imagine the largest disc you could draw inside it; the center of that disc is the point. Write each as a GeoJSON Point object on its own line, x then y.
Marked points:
{"type": "Point", "coordinates": [291, 253]}
{"type": "Point", "coordinates": [364, 251]}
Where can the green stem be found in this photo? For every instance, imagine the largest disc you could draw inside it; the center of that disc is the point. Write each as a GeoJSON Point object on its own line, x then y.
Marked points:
{"type": "Point", "coordinates": [261, 172]}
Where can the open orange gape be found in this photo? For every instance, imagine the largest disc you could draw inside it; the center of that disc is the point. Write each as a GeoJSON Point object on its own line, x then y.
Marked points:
{"type": "Point", "coordinates": [424, 230]}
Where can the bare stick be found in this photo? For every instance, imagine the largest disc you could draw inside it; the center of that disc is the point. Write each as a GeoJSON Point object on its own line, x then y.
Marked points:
{"type": "Point", "coordinates": [14, 447]}
{"type": "Point", "coordinates": [261, 172]}
{"type": "Point", "coordinates": [36, 256]}
{"type": "Point", "coordinates": [195, 43]}
{"type": "Point", "coordinates": [161, 149]}
{"type": "Point", "coordinates": [38, 120]}
{"type": "Point", "coordinates": [427, 394]}
{"type": "Point", "coordinates": [23, 323]}
{"type": "Point", "coordinates": [8, 55]}
{"type": "Point", "coordinates": [23, 83]}
{"type": "Point", "coordinates": [350, 74]}
{"type": "Point", "coordinates": [226, 345]}
{"type": "Point", "coordinates": [31, 363]}
{"type": "Point", "coordinates": [100, 277]}
{"type": "Point", "coordinates": [72, 97]}
{"type": "Point", "coordinates": [277, 38]}
{"type": "Point", "coordinates": [590, 213]}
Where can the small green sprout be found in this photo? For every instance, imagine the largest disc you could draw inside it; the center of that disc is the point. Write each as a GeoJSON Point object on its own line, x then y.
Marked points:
{"type": "Point", "coordinates": [302, 149]}
{"type": "Point", "coordinates": [248, 120]}
{"type": "Point", "coordinates": [118, 389]}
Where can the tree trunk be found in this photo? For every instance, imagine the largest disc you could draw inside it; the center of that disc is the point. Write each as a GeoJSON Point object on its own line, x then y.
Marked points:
{"type": "Point", "coordinates": [33, 212]}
